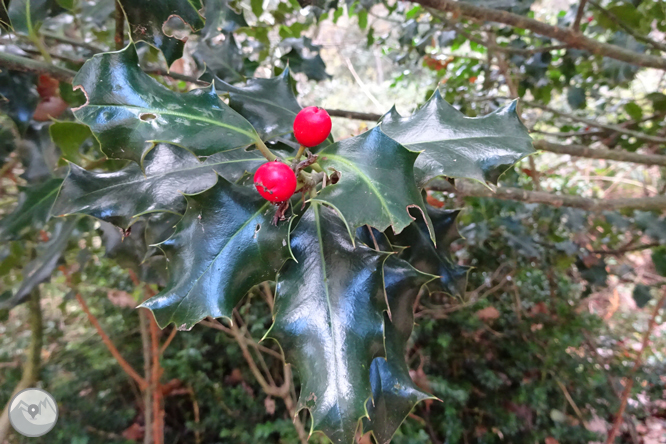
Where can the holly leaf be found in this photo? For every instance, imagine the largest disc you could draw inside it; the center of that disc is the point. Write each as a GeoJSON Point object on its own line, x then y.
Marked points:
{"type": "Point", "coordinates": [454, 145]}
{"type": "Point", "coordinates": [39, 269]}
{"type": "Point", "coordinates": [223, 246]}
{"type": "Point", "coordinates": [224, 60]}
{"type": "Point", "coordinates": [129, 111]}
{"type": "Point", "coordinates": [394, 394]}
{"type": "Point", "coordinates": [376, 185]}
{"type": "Point", "coordinates": [329, 321]}
{"type": "Point", "coordinates": [147, 19]}
{"type": "Point", "coordinates": [32, 211]}
{"type": "Point", "coordinates": [27, 16]}
{"type": "Point", "coordinates": [221, 18]}
{"type": "Point", "coordinates": [69, 137]}
{"type": "Point", "coordinates": [304, 57]}
{"type": "Point", "coordinates": [423, 255]}
{"type": "Point", "coordinates": [119, 197]}
{"type": "Point", "coordinates": [269, 104]}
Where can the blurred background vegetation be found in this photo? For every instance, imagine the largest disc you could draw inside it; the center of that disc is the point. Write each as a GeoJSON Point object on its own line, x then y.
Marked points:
{"type": "Point", "coordinates": [560, 325]}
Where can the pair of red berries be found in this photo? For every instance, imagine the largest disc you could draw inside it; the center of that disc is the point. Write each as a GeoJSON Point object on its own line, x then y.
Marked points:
{"type": "Point", "coordinates": [276, 181]}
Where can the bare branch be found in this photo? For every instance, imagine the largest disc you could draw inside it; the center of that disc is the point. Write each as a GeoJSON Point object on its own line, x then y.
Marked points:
{"type": "Point", "coordinates": [72, 42]}
{"type": "Point", "coordinates": [18, 63]}
{"type": "Point", "coordinates": [601, 153]}
{"type": "Point", "coordinates": [110, 345]}
{"type": "Point", "coordinates": [596, 124]}
{"type": "Point", "coordinates": [354, 115]}
{"type": "Point", "coordinates": [469, 189]}
{"type": "Point", "coordinates": [571, 38]}
{"type": "Point", "coordinates": [579, 16]}
{"type": "Point", "coordinates": [637, 363]}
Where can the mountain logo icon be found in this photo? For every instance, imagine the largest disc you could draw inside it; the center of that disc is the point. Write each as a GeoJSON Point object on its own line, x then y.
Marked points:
{"type": "Point", "coordinates": [33, 412]}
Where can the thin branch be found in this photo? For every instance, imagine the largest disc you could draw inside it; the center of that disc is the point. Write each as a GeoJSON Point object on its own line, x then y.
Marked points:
{"type": "Point", "coordinates": [596, 124]}
{"type": "Point", "coordinates": [579, 16]}
{"type": "Point", "coordinates": [618, 21]}
{"type": "Point", "coordinates": [469, 189]}
{"type": "Point", "coordinates": [601, 153]}
{"type": "Point", "coordinates": [495, 47]}
{"type": "Point", "coordinates": [637, 363]}
{"type": "Point", "coordinates": [119, 37]}
{"type": "Point", "coordinates": [571, 38]}
{"type": "Point", "coordinates": [72, 42]}
{"type": "Point", "coordinates": [18, 63]}
{"type": "Point", "coordinates": [628, 249]}
{"type": "Point", "coordinates": [109, 345]}
{"type": "Point", "coordinates": [371, 117]}
{"type": "Point", "coordinates": [168, 340]}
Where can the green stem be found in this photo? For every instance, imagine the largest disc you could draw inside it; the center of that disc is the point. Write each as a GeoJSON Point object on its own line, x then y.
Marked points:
{"type": "Point", "coordinates": [39, 43]}
{"type": "Point", "coordinates": [261, 146]}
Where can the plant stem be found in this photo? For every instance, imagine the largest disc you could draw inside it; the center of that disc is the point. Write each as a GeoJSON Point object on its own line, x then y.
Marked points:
{"type": "Point", "coordinates": [33, 363]}
{"type": "Point", "coordinates": [261, 146]}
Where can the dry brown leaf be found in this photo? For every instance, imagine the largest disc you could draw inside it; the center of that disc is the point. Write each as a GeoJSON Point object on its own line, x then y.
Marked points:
{"type": "Point", "coordinates": [488, 314]}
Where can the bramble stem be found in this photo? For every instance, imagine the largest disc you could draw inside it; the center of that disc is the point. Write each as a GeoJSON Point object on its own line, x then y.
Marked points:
{"type": "Point", "coordinates": [261, 146]}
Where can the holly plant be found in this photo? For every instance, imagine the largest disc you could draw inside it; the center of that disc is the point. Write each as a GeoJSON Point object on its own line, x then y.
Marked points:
{"type": "Point", "coordinates": [332, 223]}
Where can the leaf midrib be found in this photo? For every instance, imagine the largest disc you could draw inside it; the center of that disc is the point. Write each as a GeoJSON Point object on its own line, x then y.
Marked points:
{"type": "Point", "coordinates": [365, 179]}
{"type": "Point", "coordinates": [224, 247]}
{"type": "Point", "coordinates": [148, 178]}
{"type": "Point", "coordinates": [467, 138]}
{"type": "Point", "coordinates": [328, 300]}
{"type": "Point", "coordinates": [177, 114]}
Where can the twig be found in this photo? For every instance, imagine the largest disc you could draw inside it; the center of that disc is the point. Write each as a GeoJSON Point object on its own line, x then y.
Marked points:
{"type": "Point", "coordinates": [168, 340]}
{"type": "Point", "coordinates": [144, 319]}
{"type": "Point", "coordinates": [571, 38]}
{"type": "Point", "coordinates": [637, 363]}
{"type": "Point", "coordinates": [354, 115]}
{"type": "Point", "coordinates": [18, 63]}
{"type": "Point", "coordinates": [72, 42]}
{"type": "Point", "coordinates": [469, 189]}
{"type": "Point", "coordinates": [596, 124]}
{"type": "Point", "coordinates": [628, 249]}
{"type": "Point", "coordinates": [601, 153]}
{"type": "Point", "coordinates": [617, 20]}
{"type": "Point", "coordinates": [155, 375]}
{"type": "Point", "coordinates": [110, 346]}
{"type": "Point", "coordinates": [579, 16]}
{"type": "Point", "coordinates": [119, 37]}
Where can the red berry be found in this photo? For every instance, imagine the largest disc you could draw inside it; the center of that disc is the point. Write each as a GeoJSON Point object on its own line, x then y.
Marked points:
{"type": "Point", "coordinates": [312, 126]}
{"type": "Point", "coordinates": [275, 181]}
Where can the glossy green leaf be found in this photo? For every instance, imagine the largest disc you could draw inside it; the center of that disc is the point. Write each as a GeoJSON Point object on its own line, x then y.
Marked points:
{"type": "Point", "coordinates": [39, 269]}
{"type": "Point", "coordinates": [27, 15]}
{"type": "Point", "coordinates": [119, 196]}
{"type": "Point", "coordinates": [454, 145]}
{"type": "Point", "coordinates": [376, 185]}
{"type": "Point", "coordinates": [269, 104]}
{"type": "Point", "coordinates": [394, 394]}
{"type": "Point", "coordinates": [38, 154]}
{"type": "Point", "coordinates": [223, 60]}
{"type": "Point", "coordinates": [129, 111]}
{"type": "Point", "coordinates": [32, 211]}
{"type": "Point", "coordinates": [423, 255]}
{"type": "Point", "coordinates": [300, 58]}
{"type": "Point", "coordinates": [148, 17]}
{"type": "Point", "coordinates": [69, 137]}
{"type": "Point", "coordinates": [329, 321]}
{"type": "Point", "coordinates": [220, 17]}
{"type": "Point", "coordinates": [223, 246]}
